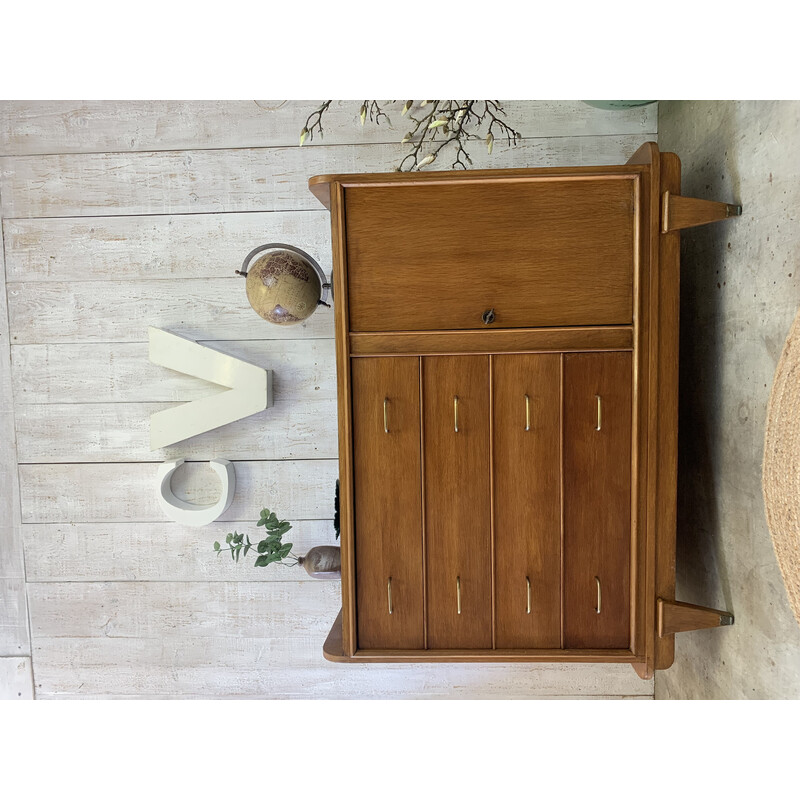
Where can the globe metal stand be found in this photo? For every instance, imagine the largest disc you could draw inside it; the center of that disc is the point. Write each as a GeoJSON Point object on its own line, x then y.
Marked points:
{"type": "Point", "coordinates": [325, 286]}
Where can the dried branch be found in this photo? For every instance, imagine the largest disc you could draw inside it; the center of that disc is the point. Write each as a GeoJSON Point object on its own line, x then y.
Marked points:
{"type": "Point", "coordinates": [438, 125]}
{"type": "Point", "coordinates": [314, 122]}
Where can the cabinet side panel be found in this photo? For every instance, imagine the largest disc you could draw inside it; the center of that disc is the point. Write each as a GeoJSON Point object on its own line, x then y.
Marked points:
{"type": "Point", "coordinates": [597, 500]}
{"type": "Point", "coordinates": [527, 500]}
{"type": "Point", "coordinates": [457, 511]}
{"type": "Point", "coordinates": [387, 487]}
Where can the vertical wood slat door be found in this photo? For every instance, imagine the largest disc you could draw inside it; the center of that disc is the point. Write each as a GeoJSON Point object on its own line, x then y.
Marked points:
{"type": "Point", "coordinates": [597, 499]}
{"type": "Point", "coordinates": [457, 502]}
{"type": "Point", "coordinates": [388, 502]}
{"type": "Point", "coordinates": [526, 412]}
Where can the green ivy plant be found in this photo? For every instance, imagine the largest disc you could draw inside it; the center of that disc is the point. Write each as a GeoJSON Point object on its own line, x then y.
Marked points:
{"type": "Point", "coordinates": [271, 549]}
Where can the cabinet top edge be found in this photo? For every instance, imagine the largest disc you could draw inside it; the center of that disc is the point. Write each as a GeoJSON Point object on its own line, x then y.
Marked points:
{"type": "Point", "coordinates": [320, 184]}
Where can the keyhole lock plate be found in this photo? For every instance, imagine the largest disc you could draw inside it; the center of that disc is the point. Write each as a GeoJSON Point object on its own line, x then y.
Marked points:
{"type": "Point", "coordinates": [488, 317]}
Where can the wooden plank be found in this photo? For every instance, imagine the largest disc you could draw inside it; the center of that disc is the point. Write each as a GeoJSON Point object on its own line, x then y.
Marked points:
{"type": "Point", "coordinates": [122, 372]}
{"type": "Point", "coordinates": [292, 429]}
{"type": "Point", "coordinates": [125, 551]}
{"type": "Point", "coordinates": [16, 680]}
{"type": "Point", "coordinates": [270, 179]}
{"type": "Point", "coordinates": [259, 639]}
{"type": "Point", "coordinates": [155, 247]}
{"type": "Point", "coordinates": [113, 311]}
{"type": "Point", "coordinates": [127, 492]}
{"type": "Point", "coordinates": [14, 638]}
{"type": "Point", "coordinates": [30, 127]}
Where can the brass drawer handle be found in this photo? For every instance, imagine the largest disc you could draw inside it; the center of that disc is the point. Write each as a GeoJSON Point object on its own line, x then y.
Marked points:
{"type": "Point", "coordinates": [389, 590]}
{"type": "Point", "coordinates": [385, 416]}
{"type": "Point", "coordinates": [455, 412]}
{"type": "Point", "coordinates": [528, 580]}
{"type": "Point", "coordinates": [458, 593]}
{"type": "Point", "coordinates": [527, 413]}
{"type": "Point", "coordinates": [599, 412]}
{"type": "Point", "coordinates": [599, 595]}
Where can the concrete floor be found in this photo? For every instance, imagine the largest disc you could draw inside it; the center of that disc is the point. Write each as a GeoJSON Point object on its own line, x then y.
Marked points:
{"type": "Point", "coordinates": [740, 292]}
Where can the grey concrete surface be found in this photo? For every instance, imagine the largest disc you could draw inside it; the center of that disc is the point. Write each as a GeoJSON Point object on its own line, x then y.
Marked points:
{"type": "Point", "coordinates": [740, 291]}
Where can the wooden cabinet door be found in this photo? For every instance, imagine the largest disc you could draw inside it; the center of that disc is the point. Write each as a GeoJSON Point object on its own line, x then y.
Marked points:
{"type": "Point", "coordinates": [387, 485]}
{"type": "Point", "coordinates": [541, 252]}
{"type": "Point", "coordinates": [597, 500]}
{"type": "Point", "coordinates": [457, 515]}
{"type": "Point", "coordinates": [527, 500]}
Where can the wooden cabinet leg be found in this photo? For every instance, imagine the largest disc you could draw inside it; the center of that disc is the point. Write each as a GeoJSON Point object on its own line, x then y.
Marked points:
{"type": "Point", "coordinates": [643, 669]}
{"type": "Point", "coordinates": [686, 212]}
{"type": "Point", "coordinates": [674, 617]}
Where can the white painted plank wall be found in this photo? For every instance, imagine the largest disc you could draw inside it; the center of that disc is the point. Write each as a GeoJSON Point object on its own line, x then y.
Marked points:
{"type": "Point", "coordinates": [255, 179]}
{"type": "Point", "coordinates": [126, 214]}
{"type": "Point", "coordinates": [59, 126]}
{"type": "Point", "coordinates": [15, 663]}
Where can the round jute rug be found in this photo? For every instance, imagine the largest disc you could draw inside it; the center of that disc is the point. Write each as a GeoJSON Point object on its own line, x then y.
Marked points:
{"type": "Point", "coordinates": [781, 472]}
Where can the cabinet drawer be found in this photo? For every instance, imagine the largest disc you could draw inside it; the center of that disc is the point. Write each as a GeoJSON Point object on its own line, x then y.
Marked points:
{"type": "Point", "coordinates": [388, 502]}
{"type": "Point", "coordinates": [527, 499]}
{"type": "Point", "coordinates": [540, 252]}
{"type": "Point", "coordinates": [457, 506]}
{"type": "Point", "coordinates": [597, 500]}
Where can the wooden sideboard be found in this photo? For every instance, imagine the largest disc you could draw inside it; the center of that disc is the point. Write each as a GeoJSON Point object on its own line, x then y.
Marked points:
{"type": "Point", "coordinates": [507, 366]}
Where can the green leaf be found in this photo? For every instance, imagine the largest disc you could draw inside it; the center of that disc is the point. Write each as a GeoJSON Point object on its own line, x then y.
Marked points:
{"type": "Point", "coordinates": [285, 550]}
{"type": "Point", "coordinates": [264, 513]}
{"type": "Point", "coordinates": [261, 522]}
{"type": "Point", "coordinates": [271, 525]}
{"type": "Point", "coordinates": [233, 554]}
{"type": "Point", "coordinates": [246, 548]}
{"type": "Point", "coordinates": [248, 540]}
{"type": "Point", "coordinates": [263, 561]}
{"type": "Point", "coordinates": [284, 527]}
{"type": "Point", "coordinates": [228, 538]}
{"type": "Point", "coordinates": [216, 546]}
{"type": "Point", "coordinates": [237, 555]}
{"type": "Point", "coordinates": [262, 546]}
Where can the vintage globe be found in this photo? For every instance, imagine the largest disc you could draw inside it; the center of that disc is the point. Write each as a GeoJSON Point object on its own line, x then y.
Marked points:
{"type": "Point", "coordinates": [284, 285]}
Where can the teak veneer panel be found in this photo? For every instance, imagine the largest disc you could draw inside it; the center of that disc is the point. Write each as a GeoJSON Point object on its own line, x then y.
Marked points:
{"type": "Point", "coordinates": [597, 499]}
{"type": "Point", "coordinates": [457, 502]}
{"type": "Point", "coordinates": [540, 252]}
{"type": "Point", "coordinates": [520, 340]}
{"type": "Point", "coordinates": [527, 500]}
{"type": "Point", "coordinates": [388, 502]}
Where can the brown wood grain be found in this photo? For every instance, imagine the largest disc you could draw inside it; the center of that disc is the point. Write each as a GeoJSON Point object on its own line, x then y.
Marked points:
{"type": "Point", "coordinates": [346, 511]}
{"type": "Point", "coordinates": [388, 505]}
{"type": "Point", "coordinates": [527, 500]}
{"type": "Point", "coordinates": [597, 499]}
{"type": "Point", "coordinates": [687, 212]}
{"type": "Point", "coordinates": [457, 512]}
{"type": "Point", "coordinates": [537, 252]}
{"type": "Point", "coordinates": [319, 185]}
{"type": "Point", "coordinates": [669, 328]}
{"type": "Point", "coordinates": [520, 340]}
{"type": "Point", "coordinates": [675, 617]}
